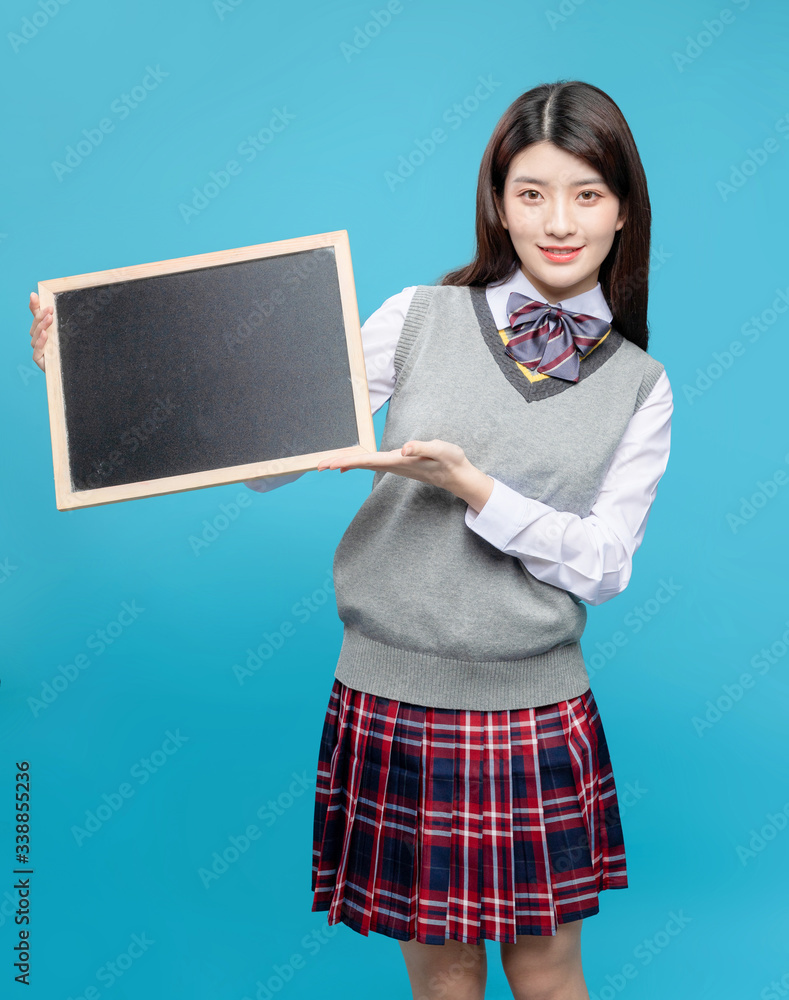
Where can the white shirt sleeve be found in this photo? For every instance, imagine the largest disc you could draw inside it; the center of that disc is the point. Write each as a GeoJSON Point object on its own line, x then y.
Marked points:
{"type": "Point", "coordinates": [591, 557]}
{"type": "Point", "coordinates": [380, 334]}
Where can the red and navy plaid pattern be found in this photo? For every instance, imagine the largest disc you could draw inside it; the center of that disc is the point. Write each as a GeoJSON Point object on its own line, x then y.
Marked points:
{"type": "Point", "coordinates": [446, 823]}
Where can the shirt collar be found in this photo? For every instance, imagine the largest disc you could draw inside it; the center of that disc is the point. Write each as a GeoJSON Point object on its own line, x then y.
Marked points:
{"type": "Point", "coordinates": [592, 303]}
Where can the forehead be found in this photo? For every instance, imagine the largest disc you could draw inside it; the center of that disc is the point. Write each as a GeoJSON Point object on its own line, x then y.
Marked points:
{"type": "Point", "coordinates": [546, 164]}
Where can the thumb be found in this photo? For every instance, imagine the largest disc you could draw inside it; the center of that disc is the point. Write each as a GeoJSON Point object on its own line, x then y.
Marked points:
{"type": "Point", "coordinates": [415, 448]}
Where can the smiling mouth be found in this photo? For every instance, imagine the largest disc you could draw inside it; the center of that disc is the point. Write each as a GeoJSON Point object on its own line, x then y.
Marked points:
{"type": "Point", "coordinates": [560, 254]}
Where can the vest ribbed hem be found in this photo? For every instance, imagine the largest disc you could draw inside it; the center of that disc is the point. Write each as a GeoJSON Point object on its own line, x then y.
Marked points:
{"type": "Point", "coordinates": [407, 675]}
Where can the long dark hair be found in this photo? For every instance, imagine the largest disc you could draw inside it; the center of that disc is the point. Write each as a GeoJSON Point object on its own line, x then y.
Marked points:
{"type": "Point", "coordinates": [584, 121]}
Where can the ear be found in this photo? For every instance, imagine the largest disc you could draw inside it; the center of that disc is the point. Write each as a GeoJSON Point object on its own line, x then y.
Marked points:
{"type": "Point", "coordinates": [622, 218]}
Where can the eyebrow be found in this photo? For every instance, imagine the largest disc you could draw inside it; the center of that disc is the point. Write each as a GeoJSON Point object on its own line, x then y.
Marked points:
{"type": "Point", "coordinates": [536, 180]}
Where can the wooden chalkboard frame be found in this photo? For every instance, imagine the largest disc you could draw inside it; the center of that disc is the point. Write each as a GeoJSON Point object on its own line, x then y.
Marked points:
{"type": "Point", "coordinates": [67, 498]}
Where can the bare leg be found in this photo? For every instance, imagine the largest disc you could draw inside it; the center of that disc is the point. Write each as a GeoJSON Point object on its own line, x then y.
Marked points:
{"type": "Point", "coordinates": [545, 967]}
{"type": "Point", "coordinates": [449, 971]}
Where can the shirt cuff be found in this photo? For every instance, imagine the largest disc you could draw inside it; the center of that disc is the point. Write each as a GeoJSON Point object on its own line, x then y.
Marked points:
{"type": "Point", "coordinates": [505, 514]}
{"type": "Point", "coordinates": [267, 483]}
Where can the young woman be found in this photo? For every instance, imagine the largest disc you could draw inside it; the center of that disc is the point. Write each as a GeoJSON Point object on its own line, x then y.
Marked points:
{"type": "Point", "coordinates": [465, 791]}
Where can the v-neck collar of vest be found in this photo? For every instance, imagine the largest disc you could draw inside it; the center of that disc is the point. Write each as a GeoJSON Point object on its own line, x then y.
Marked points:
{"type": "Point", "coordinates": [550, 386]}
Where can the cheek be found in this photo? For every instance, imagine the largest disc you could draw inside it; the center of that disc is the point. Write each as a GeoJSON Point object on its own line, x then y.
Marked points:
{"type": "Point", "coordinates": [601, 235]}
{"type": "Point", "coordinates": [522, 225]}
{"type": "Point", "coordinates": [605, 229]}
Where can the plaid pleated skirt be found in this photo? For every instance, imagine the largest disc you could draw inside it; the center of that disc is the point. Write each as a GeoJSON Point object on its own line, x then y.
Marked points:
{"type": "Point", "coordinates": [437, 823]}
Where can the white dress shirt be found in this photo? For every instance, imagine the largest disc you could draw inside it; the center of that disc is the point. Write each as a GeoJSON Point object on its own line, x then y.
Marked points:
{"type": "Point", "coordinates": [591, 557]}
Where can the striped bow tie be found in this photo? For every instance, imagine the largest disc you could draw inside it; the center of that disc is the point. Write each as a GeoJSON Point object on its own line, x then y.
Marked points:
{"type": "Point", "coordinates": [551, 340]}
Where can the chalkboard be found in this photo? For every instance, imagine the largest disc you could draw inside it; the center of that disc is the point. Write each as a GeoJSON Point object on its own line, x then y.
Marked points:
{"type": "Point", "coordinates": [204, 370]}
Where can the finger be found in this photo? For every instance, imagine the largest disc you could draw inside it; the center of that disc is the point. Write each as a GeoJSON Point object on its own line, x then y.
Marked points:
{"type": "Point", "coordinates": [43, 319]}
{"type": "Point", "coordinates": [34, 305]}
{"type": "Point", "coordinates": [39, 336]}
{"type": "Point", "coordinates": [420, 449]}
{"type": "Point", "coordinates": [38, 310]}
{"type": "Point", "coordinates": [342, 464]}
{"type": "Point", "coordinates": [334, 461]}
{"type": "Point", "coordinates": [43, 322]}
{"type": "Point", "coordinates": [39, 349]}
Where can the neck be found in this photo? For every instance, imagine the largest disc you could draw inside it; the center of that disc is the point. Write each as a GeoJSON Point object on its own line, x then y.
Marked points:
{"type": "Point", "coordinates": [553, 295]}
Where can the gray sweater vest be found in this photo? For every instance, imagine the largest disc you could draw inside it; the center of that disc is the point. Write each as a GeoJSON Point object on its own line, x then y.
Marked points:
{"type": "Point", "coordinates": [433, 614]}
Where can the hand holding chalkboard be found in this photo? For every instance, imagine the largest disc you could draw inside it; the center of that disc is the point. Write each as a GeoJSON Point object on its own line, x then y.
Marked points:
{"type": "Point", "coordinates": [42, 320]}
{"type": "Point", "coordinates": [204, 370]}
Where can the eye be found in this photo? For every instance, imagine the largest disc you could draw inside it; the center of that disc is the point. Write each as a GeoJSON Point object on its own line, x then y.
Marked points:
{"type": "Point", "coordinates": [531, 192]}
{"type": "Point", "coordinates": [593, 193]}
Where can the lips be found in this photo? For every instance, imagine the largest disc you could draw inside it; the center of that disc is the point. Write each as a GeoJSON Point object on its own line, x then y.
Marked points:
{"type": "Point", "coordinates": [560, 254]}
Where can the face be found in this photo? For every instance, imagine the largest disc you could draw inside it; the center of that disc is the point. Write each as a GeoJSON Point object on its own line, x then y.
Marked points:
{"type": "Point", "coordinates": [553, 199]}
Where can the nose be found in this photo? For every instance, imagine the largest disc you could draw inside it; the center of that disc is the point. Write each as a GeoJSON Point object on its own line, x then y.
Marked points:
{"type": "Point", "coordinates": [560, 221]}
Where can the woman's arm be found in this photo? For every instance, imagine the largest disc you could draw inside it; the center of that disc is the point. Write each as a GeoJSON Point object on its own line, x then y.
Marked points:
{"type": "Point", "coordinates": [379, 339]}
{"type": "Point", "coordinates": [591, 557]}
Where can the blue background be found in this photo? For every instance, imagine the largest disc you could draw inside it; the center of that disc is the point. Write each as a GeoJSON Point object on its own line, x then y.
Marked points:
{"type": "Point", "coordinates": [693, 798]}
